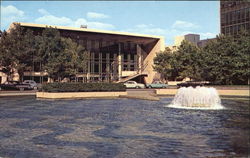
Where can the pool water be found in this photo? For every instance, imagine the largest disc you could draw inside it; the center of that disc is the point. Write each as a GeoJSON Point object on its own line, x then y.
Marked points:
{"type": "Point", "coordinates": [121, 128]}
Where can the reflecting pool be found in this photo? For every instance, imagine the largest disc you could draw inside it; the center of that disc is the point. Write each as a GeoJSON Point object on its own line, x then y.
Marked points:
{"type": "Point", "coordinates": [121, 128]}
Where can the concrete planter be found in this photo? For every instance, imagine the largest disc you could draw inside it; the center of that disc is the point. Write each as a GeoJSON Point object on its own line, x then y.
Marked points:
{"type": "Point", "coordinates": [68, 95]}
{"type": "Point", "coordinates": [166, 91]}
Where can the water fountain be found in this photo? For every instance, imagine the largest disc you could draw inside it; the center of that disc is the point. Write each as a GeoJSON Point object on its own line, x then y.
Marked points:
{"type": "Point", "coordinates": [197, 98]}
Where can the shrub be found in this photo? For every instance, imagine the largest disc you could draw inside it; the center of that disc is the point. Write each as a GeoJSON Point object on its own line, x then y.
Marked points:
{"type": "Point", "coordinates": [83, 87]}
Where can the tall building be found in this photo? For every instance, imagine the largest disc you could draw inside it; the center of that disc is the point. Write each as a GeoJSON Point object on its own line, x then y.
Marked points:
{"type": "Point", "coordinates": [234, 16]}
{"type": "Point", "coordinates": [113, 56]}
{"type": "Point", "coordinates": [193, 38]}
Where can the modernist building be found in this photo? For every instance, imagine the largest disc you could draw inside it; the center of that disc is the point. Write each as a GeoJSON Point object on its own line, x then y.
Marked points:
{"type": "Point", "coordinates": [113, 56]}
{"type": "Point", "coordinates": [193, 38]}
{"type": "Point", "coordinates": [234, 16]}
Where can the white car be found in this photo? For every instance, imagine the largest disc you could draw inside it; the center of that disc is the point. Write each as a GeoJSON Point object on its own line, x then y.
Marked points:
{"type": "Point", "coordinates": [32, 83]}
{"type": "Point", "coordinates": [133, 84]}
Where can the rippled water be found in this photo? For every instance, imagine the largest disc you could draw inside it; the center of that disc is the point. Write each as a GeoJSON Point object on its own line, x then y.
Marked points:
{"type": "Point", "coordinates": [121, 128]}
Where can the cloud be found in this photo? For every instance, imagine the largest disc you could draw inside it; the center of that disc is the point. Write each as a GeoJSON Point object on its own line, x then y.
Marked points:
{"type": "Point", "coordinates": [53, 20]}
{"type": "Point", "coordinates": [10, 14]}
{"type": "Point", "coordinates": [94, 15]}
{"type": "Point", "coordinates": [184, 25]}
{"type": "Point", "coordinates": [207, 35]}
{"type": "Point", "coordinates": [146, 29]}
{"type": "Point", "coordinates": [65, 21]}
{"type": "Point", "coordinates": [11, 11]}
{"type": "Point", "coordinates": [169, 33]}
{"type": "Point", "coordinates": [99, 25]}
{"type": "Point", "coordinates": [203, 35]}
{"type": "Point", "coordinates": [43, 12]}
{"type": "Point", "coordinates": [144, 25]}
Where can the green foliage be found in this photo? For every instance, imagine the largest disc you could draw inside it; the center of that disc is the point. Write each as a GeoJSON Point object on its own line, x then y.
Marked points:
{"type": "Point", "coordinates": [162, 63]}
{"type": "Point", "coordinates": [60, 57]}
{"type": "Point", "coordinates": [16, 50]}
{"type": "Point", "coordinates": [7, 61]}
{"type": "Point", "coordinates": [189, 63]}
{"type": "Point", "coordinates": [185, 62]}
{"type": "Point", "coordinates": [224, 60]}
{"type": "Point", "coordinates": [227, 59]}
{"type": "Point", "coordinates": [83, 87]}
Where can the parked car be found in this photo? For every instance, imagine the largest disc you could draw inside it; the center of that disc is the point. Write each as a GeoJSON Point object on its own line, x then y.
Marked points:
{"type": "Point", "coordinates": [157, 84]}
{"type": "Point", "coordinates": [14, 85]}
{"type": "Point", "coordinates": [133, 84]}
{"type": "Point", "coordinates": [32, 83]}
{"type": "Point", "coordinates": [192, 84]}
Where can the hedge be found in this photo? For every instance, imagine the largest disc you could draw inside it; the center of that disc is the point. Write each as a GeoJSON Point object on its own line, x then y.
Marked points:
{"type": "Point", "coordinates": [82, 87]}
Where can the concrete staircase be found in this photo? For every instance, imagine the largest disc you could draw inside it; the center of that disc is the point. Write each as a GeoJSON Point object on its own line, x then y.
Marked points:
{"type": "Point", "coordinates": [138, 73]}
{"type": "Point", "coordinates": [131, 77]}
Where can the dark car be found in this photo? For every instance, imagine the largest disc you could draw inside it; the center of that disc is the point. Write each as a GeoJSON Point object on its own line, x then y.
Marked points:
{"type": "Point", "coordinates": [14, 85]}
{"type": "Point", "coordinates": [192, 84]}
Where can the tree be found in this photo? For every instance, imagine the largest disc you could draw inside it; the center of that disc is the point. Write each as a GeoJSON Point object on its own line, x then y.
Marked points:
{"type": "Point", "coordinates": [25, 58]}
{"type": "Point", "coordinates": [241, 58]}
{"type": "Point", "coordinates": [162, 63]}
{"type": "Point", "coordinates": [221, 59]}
{"type": "Point", "coordinates": [16, 50]}
{"type": "Point", "coordinates": [188, 57]}
{"type": "Point", "coordinates": [49, 49]}
{"type": "Point", "coordinates": [61, 57]}
{"type": "Point", "coordinates": [7, 61]}
{"type": "Point", "coordinates": [185, 62]}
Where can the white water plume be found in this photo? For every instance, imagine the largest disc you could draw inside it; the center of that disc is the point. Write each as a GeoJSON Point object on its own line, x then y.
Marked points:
{"type": "Point", "coordinates": [197, 98]}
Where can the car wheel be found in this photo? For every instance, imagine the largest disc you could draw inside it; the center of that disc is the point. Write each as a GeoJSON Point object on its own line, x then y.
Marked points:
{"type": "Point", "coordinates": [35, 88]}
{"type": "Point", "coordinates": [137, 87]}
{"type": "Point", "coordinates": [149, 87]}
{"type": "Point", "coordinates": [0, 88]}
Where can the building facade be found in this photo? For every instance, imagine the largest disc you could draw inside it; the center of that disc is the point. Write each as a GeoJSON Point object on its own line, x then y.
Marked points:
{"type": "Point", "coordinates": [113, 56]}
{"type": "Point", "coordinates": [193, 38]}
{"type": "Point", "coordinates": [234, 16]}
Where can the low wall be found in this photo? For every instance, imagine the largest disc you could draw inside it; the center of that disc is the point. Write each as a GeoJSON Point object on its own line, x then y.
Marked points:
{"type": "Point", "coordinates": [224, 92]}
{"type": "Point", "coordinates": [165, 91]}
{"type": "Point", "coordinates": [174, 83]}
{"type": "Point", "coordinates": [67, 95]}
{"type": "Point", "coordinates": [229, 92]}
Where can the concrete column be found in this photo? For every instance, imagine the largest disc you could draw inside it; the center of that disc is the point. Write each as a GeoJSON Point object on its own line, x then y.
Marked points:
{"type": "Point", "coordinates": [88, 77]}
{"type": "Point", "coordinates": [119, 57]}
{"type": "Point", "coordinates": [50, 80]}
{"type": "Point", "coordinates": [139, 57]}
{"type": "Point", "coordinates": [129, 62]}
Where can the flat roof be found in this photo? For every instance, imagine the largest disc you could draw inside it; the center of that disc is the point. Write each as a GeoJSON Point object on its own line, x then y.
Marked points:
{"type": "Point", "coordinates": [88, 30]}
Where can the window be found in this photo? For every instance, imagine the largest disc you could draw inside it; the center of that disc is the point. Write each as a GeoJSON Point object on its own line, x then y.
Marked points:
{"type": "Point", "coordinates": [96, 68]}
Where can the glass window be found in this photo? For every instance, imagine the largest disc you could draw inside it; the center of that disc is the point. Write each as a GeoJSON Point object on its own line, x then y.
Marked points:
{"type": "Point", "coordinates": [125, 57]}
{"type": "Point", "coordinates": [96, 68]}
{"type": "Point", "coordinates": [92, 45]}
{"type": "Point", "coordinates": [227, 19]}
{"type": "Point", "coordinates": [247, 26]}
{"type": "Point", "coordinates": [122, 47]}
{"type": "Point", "coordinates": [96, 56]}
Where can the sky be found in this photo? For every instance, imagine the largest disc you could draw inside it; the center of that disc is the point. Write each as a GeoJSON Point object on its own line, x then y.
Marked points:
{"type": "Point", "coordinates": [164, 18]}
